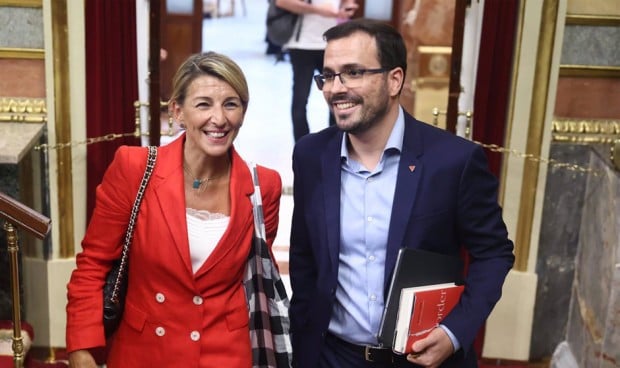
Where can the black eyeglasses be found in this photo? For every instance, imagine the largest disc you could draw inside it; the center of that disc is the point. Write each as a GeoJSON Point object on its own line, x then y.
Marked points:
{"type": "Point", "coordinates": [351, 78]}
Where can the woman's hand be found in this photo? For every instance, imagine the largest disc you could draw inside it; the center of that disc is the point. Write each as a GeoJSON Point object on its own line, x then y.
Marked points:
{"type": "Point", "coordinates": [325, 10]}
{"type": "Point", "coordinates": [348, 8]}
{"type": "Point", "coordinates": [81, 359]}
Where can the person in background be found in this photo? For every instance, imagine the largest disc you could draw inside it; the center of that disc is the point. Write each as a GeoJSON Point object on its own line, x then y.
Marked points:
{"type": "Point", "coordinates": [305, 49]}
{"type": "Point", "coordinates": [376, 182]}
{"type": "Point", "coordinates": [186, 304]}
{"type": "Point", "coordinates": [272, 48]}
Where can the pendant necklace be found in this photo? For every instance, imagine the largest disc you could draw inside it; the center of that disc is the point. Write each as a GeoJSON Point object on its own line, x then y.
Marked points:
{"type": "Point", "coordinates": [198, 183]}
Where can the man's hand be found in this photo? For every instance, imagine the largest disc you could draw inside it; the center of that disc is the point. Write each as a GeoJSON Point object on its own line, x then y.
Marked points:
{"type": "Point", "coordinates": [81, 359]}
{"type": "Point", "coordinates": [431, 351]}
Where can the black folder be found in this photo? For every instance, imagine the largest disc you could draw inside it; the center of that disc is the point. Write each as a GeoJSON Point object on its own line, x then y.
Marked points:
{"type": "Point", "coordinates": [415, 267]}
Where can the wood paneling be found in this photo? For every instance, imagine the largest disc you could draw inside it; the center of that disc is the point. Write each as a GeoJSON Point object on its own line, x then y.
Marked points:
{"type": "Point", "coordinates": [181, 36]}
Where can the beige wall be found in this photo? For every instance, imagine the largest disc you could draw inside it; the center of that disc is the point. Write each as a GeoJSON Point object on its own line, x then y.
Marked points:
{"type": "Point", "coordinates": [45, 280]}
{"type": "Point", "coordinates": [594, 7]}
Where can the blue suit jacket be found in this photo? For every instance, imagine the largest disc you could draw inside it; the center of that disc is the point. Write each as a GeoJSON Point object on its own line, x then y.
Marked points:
{"type": "Point", "coordinates": [445, 199]}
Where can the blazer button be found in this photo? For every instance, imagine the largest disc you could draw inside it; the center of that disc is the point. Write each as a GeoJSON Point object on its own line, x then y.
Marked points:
{"type": "Point", "coordinates": [197, 300]}
{"type": "Point", "coordinates": [160, 331]}
{"type": "Point", "coordinates": [160, 297]}
{"type": "Point", "coordinates": [195, 336]}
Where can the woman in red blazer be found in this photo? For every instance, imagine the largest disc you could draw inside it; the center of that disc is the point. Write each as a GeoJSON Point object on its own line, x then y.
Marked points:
{"type": "Point", "coordinates": [185, 304]}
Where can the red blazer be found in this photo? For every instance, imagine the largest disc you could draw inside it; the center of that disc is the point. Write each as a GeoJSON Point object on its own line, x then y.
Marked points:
{"type": "Point", "coordinates": [172, 317]}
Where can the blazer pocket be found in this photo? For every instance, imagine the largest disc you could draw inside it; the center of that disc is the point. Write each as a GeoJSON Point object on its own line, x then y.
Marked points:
{"type": "Point", "coordinates": [237, 318]}
{"type": "Point", "coordinates": [134, 317]}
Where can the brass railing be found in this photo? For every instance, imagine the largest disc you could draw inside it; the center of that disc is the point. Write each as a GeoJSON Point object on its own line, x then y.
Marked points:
{"type": "Point", "coordinates": [468, 118]}
{"type": "Point", "coordinates": [14, 214]}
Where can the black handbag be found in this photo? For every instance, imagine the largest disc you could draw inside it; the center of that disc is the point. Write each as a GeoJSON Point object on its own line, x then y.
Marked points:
{"type": "Point", "coordinates": [115, 287]}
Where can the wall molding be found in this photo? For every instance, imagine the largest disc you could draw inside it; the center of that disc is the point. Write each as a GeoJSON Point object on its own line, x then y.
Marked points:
{"type": "Point", "coordinates": [23, 110]}
{"type": "Point", "coordinates": [592, 20]}
{"type": "Point", "coordinates": [591, 71]}
{"type": "Point", "coordinates": [18, 53]}
{"type": "Point", "coordinates": [585, 131]}
{"type": "Point", "coordinates": [22, 3]}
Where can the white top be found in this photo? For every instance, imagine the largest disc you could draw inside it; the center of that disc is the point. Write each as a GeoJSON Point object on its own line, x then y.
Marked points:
{"type": "Point", "coordinates": [204, 231]}
{"type": "Point", "coordinates": [312, 28]}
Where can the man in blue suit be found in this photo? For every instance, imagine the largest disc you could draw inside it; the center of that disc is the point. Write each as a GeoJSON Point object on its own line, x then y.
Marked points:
{"type": "Point", "coordinates": [377, 181]}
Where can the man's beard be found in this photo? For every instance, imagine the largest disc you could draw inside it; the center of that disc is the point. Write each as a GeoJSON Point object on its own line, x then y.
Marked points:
{"type": "Point", "coordinates": [370, 115]}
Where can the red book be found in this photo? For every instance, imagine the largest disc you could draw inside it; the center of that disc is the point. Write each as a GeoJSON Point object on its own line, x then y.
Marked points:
{"type": "Point", "coordinates": [421, 309]}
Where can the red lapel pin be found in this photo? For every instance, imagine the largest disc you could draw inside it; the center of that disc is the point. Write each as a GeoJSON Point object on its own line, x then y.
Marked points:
{"type": "Point", "coordinates": [411, 168]}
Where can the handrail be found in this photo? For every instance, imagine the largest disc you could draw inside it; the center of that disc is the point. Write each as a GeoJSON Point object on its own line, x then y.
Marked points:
{"type": "Point", "coordinates": [16, 214]}
{"type": "Point", "coordinates": [13, 211]}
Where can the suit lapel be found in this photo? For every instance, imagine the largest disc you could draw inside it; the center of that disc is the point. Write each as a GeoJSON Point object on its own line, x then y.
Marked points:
{"type": "Point", "coordinates": [170, 195]}
{"type": "Point", "coordinates": [241, 217]}
{"type": "Point", "coordinates": [410, 171]}
{"type": "Point", "coordinates": [330, 166]}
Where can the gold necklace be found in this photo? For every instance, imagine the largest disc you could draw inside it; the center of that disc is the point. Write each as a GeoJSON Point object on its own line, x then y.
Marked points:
{"type": "Point", "coordinates": [197, 183]}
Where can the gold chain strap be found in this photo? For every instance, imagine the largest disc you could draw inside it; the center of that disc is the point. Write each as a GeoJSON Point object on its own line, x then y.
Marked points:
{"type": "Point", "coordinates": [150, 164]}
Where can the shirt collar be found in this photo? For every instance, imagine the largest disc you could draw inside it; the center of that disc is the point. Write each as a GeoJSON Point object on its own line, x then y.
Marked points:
{"type": "Point", "coordinates": [395, 140]}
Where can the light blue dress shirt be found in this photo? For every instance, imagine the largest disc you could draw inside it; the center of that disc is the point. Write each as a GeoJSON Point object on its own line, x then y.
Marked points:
{"type": "Point", "coordinates": [366, 206]}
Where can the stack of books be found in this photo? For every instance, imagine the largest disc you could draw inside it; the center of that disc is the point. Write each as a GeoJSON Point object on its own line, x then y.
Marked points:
{"type": "Point", "coordinates": [424, 288]}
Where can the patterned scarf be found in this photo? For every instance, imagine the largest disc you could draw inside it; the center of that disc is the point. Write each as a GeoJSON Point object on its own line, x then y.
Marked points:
{"type": "Point", "coordinates": [266, 295]}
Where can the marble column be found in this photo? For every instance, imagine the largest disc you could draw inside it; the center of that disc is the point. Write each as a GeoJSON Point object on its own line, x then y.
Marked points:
{"type": "Point", "coordinates": [561, 217]}
{"type": "Point", "coordinates": [16, 141]}
{"type": "Point", "coordinates": [8, 185]}
{"type": "Point", "coordinates": [593, 328]}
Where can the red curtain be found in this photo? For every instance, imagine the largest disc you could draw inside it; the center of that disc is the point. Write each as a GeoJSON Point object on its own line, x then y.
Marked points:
{"type": "Point", "coordinates": [493, 81]}
{"type": "Point", "coordinates": [493, 84]}
{"type": "Point", "coordinates": [111, 83]}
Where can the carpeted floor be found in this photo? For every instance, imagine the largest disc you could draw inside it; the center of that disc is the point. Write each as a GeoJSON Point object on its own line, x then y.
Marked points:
{"type": "Point", "coordinates": [43, 354]}
{"type": "Point", "coordinates": [491, 363]}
